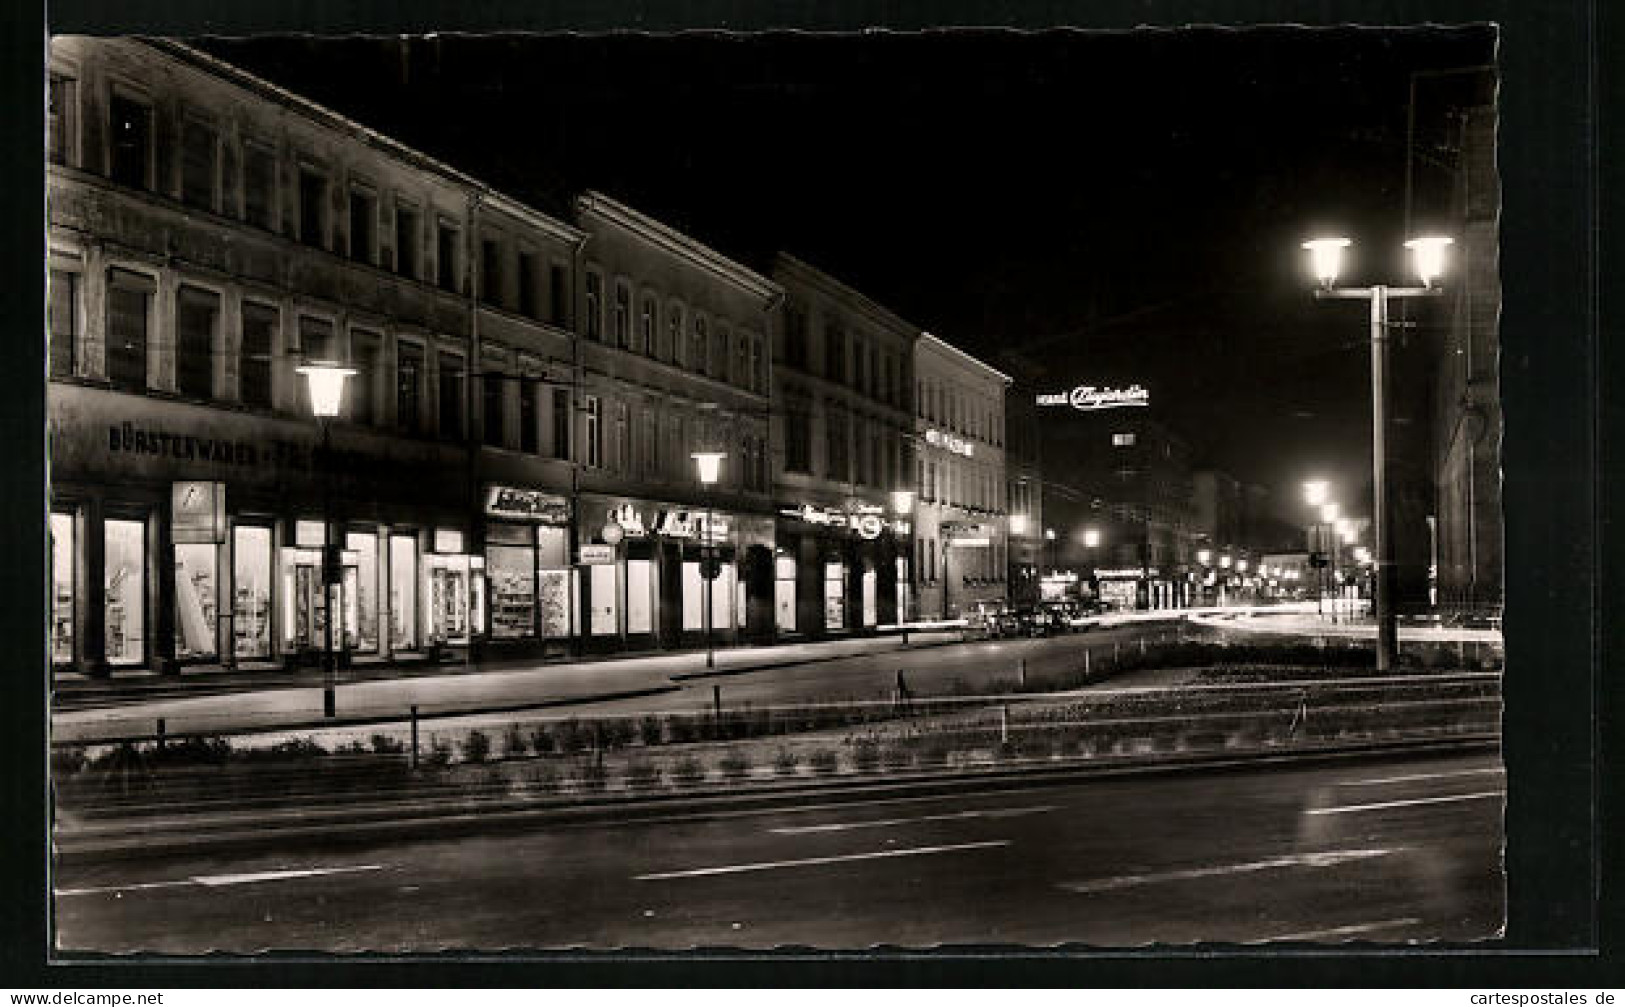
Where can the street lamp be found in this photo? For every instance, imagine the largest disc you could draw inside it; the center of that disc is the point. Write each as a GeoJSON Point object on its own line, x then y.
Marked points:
{"type": "Point", "coordinates": [326, 380]}
{"type": "Point", "coordinates": [1314, 492]}
{"type": "Point", "coordinates": [902, 505]}
{"type": "Point", "coordinates": [1428, 254]}
{"type": "Point", "coordinates": [710, 465]}
{"type": "Point", "coordinates": [1049, 536]}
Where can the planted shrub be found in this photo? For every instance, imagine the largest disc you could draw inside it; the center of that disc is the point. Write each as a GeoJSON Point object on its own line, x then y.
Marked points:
{"type": "Point", "coordinates": [650, 731]}
{"type": "Point", "coordinates": [642, 774]}
{"type": "Point", "coordinates": [897, 757]}
{"type": "Point", "coordinates": [785, 762]}
{"type": "Point", "coordinates": [385, 744]}
{"type": "Point", "coordinates": [541, 739]}
{"type": "Point", "coordinates": [209, 751]}
{"type": "Point", "coordinates": [688, 771]}
{"type": "Point", "coordinates": [734, 766]}
{"type": "Point", "coordinates": [542, 776]}
{"type": "Point", "coordinates": [865, 755]}
{"type": "Point", "coordinates": [823, 761]}
{"type": "Point", "coordinates": [570, 735]}
{"type": "Point", "coordinates": [616, 732]}
{"type": "Point", "coordinates": [476, 747]}
{"type": "Point", "coordinates": [933, 754]}
{"type": "Point", "coordinates": [439, 751]}
{"type": "Point", "coordinates": [68, 760]}
{"type": "Point", "coordinates": [514, 743]}
{"type": "Point", "coordinates": [591, 776]}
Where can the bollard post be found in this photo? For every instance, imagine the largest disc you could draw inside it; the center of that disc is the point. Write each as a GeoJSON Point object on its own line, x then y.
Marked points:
{"type": "Point", "coordinates": [1117, 653]}
{"type": "Point", "coordinates": [1086, 662]}
{"type": "Point", "coordinates": [160, 735]}
{"type": "Point", "coordinates": [1021, 672]}
{"type": "Point", "coordinates": [1142, 646]}
{"type": "Point", "coordinates": [414, 759]}
{"type": "Point", "coordinates": [1004, 724]}
{"type": "Point", "coordinates": [716, 710]}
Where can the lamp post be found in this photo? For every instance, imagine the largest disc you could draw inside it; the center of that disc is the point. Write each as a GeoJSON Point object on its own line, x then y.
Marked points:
{"type": "Point", "coordinates": [1428, 255]}
{"type": "Point", "coordinates": [326, 381]}
{"type": "Point", "coordinates": [710, 464]}
{"type": "Point", "coordinates": [902, 505]}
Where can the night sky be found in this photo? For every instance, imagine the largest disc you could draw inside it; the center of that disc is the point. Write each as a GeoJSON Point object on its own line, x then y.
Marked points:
{"type": "Point", "coordinates": [1111, 207]}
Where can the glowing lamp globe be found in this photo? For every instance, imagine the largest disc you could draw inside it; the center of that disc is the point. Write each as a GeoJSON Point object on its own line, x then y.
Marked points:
{"type": "Point", "coordinates": [902, 501]}
{"type": "Point", "coordinates": [710, 463]}
{"type": "Point", "coordinates": [1204, 556]}
{"type": "Point", "coordinates": [1091, 537]}
{"type": "Point", "coordinates": [1328, 513]}
{"type": "Point", "coordinates": [1018, 524]}
{"type": "Point", "coordinates": [1427, 254]}
{"type": "Point", "coordinates": [1314, 492]}
{"type": "Point", "coordinates": [1326, 258]}
{"type": "Point", "coordinates": [326, 381]}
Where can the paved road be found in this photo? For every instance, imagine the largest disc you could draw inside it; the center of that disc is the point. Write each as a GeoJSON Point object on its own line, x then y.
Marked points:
{"type": "Point", "coordinates": [869, 671]}
{"type": "Point", "coordinates": [1392, 850]}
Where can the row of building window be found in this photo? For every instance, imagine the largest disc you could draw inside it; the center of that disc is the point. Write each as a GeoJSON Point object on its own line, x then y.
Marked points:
{"type": "Point", "coordinates": [960, 484]}
{"type": "Point", "coordinates": [213, 171]}
{"type": "Point", "coordinates": [958, 410]}
{"type": "Point", "coordinates": [673, 334]}
{"type": "Point", "coordinates": [872, 369]}
{"type": "Point", "coordinates": [856, 449]}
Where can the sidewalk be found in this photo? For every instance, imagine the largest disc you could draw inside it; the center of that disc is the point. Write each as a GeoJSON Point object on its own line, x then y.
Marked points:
{"type": "Point", "coordinates": [1311, 623]}
{"type": "Point", "coordinates": [505, 685]}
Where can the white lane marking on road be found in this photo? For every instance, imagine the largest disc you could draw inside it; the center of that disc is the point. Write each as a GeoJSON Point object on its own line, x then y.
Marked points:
{"type": "Point", "coordinates": [700, 872]}
{"type": "Point", "coordinates": [797, 830]}
{"type": "Point", "coordinates": [1349, 931]}
{"type": "Point", "coordinates": [1340, 809]}
{"type": "Point", "coordinates": [1417, 777]}
{"type": "Point", "coordinates": [1330, 858]}
{"type": "Point", "coordinates": [311, 872]}
{"type": "Point", "coordinates": [212, 880]}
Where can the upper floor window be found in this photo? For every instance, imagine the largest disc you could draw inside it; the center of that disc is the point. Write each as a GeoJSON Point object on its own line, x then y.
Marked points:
{"type": "Point", "coordinates": [797, 441]}
{"type": "Point", "coordinates": [742, 370]}
{"type": "Point", "coordinates": [130, 129]}
{"type": "Point", "coordinates": [129, 302]}
{"type": "Point", "coordinates": [254, 365]}
{"type": "Point", "coordinates": [674, 334]}
{"type": "Point", "coordinates": [648, 325]}
{"type": "Point", "coordinates": [594, 322]}
{"type": "Point", "coordinates": [316, 339]}
{"type": "Point", "coordinates": [409, 360]}
{"type": "Point", "coordinates": [527, 417]}
{"type": "Point", "coordinates": [196, 314]}
{"type": "Point", "coordinates": [451, 396]}
{"type": "Point", "coordinates": [363, 225]}
{"type": "Point", "coordinates": [622, 314]}
{"type": "Point", "coordinates": [312, 207]}
{"type": "Point", "coordinates": [593, 414]}
{"type": "Point", "coordinates": [528, 305]}
{"type": "Point", "coordinates": [447, 261]}
{"type": "Point", "coordinates": [364, 356]}
{"type": "Point", "coordinates": [719, 352]}
{"type": "Point", "coordinates": [406, 241]}
{"type": "Point", "coordinates": [62, 120]}
{"type": "Point", "coordinates": [558, 295]}
{"type": "Point", "coordinates": [698, 344]}
{"type": "Point", "coordinates": [1122, 440]}
{"type": "Point", "coordinates": [834, 352]}
{"type": "Point", "coordinates": [200, 155]}
{"type": "Point", "coordinates": [259, 186]}
{"type": "Point", "coordinates": [490, 271]}
{"type": "Point", "coordinates": [860, 376]}
{"type": "Point", "coordinates": [492, 413]}
{"type": "Point", "coordinates": [63, 309]}
{"type": "Point", "coordinates": [795, 338]}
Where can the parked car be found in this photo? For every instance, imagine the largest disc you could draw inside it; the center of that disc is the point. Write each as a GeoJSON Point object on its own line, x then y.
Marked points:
{"type": "Point", "coordinates": [989, 618]}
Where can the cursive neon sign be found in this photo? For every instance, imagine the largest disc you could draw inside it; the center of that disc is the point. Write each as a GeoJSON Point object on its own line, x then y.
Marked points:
{"type": "Point", "coordinates": [1088, 398]}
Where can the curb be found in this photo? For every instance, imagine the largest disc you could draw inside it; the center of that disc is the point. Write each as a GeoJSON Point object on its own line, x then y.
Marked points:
{"type": "Point", "coordinates": [475, 815]}
{"type": "Point", "coordinates": [688, 676]}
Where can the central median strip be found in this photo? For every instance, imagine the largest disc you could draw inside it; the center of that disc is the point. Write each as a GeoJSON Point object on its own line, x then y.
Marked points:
{"type": "Point", "coordinates": [771, 865]}
{"type": "Point", "coordinates": [1327, 859]}
{"type": "Point", "coordinates": [218, 880]}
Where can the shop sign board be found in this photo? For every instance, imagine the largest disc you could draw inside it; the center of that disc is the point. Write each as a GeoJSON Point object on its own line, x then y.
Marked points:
{"type": "Point", "coordinates": [1126, 573]}
{"type": "Point", "coordinates": [950, 442]}
{"type": "Point", "coordinates": [517, 504]}
{"type": "Point", "coordinates": [865, 519]}
{"type": "Point", "coordinates": [1089, 398]}
{"type": "Point", "coordinates": [664, 522]}
{"type": "Point", "coordinates": [597, 555]}
{"type": "Point", "coordinates": [198, 512]}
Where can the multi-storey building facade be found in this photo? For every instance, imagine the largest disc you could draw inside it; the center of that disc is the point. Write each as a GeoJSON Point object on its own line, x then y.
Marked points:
{"type": "Point", "coordinates": [843, 371]}
{"type": "Point", "coordinates": [209, 232]}
{"type": "Point", "coordinates": [1128, 479]}
{"type": "Point", "coordinates": [674, 359]}
{"type": "Point", "coordinates": [1024, 494]}
{"type": "Point", "coordinates": [960, 527]}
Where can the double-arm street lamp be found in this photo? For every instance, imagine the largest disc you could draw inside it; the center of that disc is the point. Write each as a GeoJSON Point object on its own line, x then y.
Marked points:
{"type": "Point", "coordinates": [326, 379]}
{"type": "Point", "coordinates": [1326, 255]}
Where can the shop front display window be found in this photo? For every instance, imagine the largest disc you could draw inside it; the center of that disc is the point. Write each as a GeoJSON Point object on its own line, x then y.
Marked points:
{"type": "Point", "coordinates": [403, 592]}
{"type": "Point", "coordinates": [722, 599]}
{"type": "Point", "coordinates": [834, 596]}
{"type": "Point", "coordinates": [62, 588]}
{"type": "Point", "coordinates": [195, 600]}
{"type": "Point", "coordinates": [784, 593]}
{"type": "Point", "coordinates": [639, 596]}
{"type": "Point", "coordinates": [553, 583]}
{"type": "Point", "coordinates": [693, 596]}
{"type": "Point", "coordinates": [124, 610]}
{"type": "Point", "coordinates": [512, 572]}
{"type": "Point", "coordinates": [361, 591]}
{"type": "Point", "coordinates": [303, 612]}
{"type": "Point", "coordinates": [871, 598]}
{"type": "Point", "coordinates": [603, 615]}
{"type": "Point", "coordinates": [251, 591]}
{"type": "Point", "coordinates": [448, 596]}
